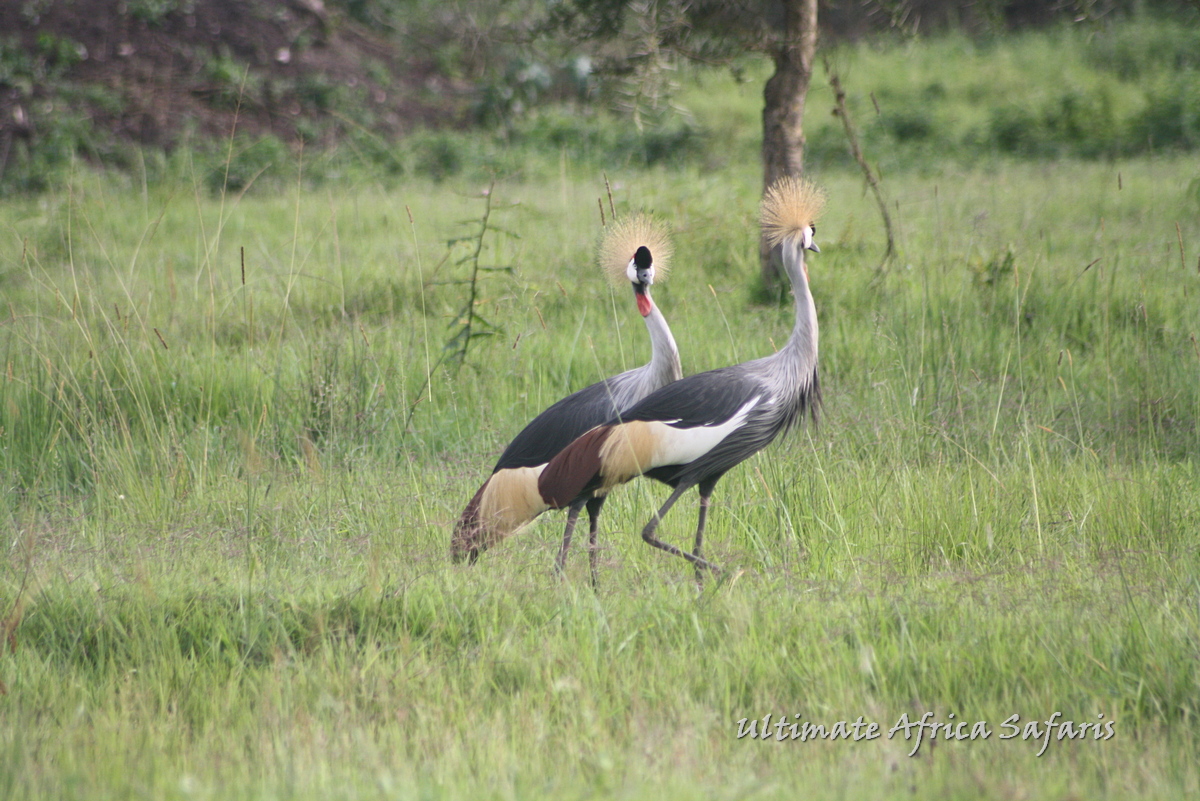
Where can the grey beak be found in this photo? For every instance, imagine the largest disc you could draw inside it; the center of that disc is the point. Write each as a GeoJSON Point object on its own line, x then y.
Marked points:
{"type": "Point", "coordinates": [813, 247]}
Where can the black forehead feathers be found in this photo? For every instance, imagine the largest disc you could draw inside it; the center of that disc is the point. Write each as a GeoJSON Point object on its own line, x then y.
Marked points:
{"type": "Point", "coordinates": [642, 258]}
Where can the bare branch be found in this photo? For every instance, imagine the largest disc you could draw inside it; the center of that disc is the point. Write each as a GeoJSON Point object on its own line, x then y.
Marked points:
{"type": "Point", "coordinates": [843, 112]}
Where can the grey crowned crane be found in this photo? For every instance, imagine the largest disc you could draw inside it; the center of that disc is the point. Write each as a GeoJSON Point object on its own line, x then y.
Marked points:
{"type": "Point", "coordinates": [634, 249]}
{"type": "Point", "coordinates": [690, 432]}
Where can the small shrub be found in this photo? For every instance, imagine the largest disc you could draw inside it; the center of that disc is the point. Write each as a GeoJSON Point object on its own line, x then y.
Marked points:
{"type": "Point", "coordinates": [1192, 196]}
{"type": "Point", "coordinates": [438, 156]}
{"type": "Point", "coordinates": [1133, 51]}
{"type": "Point", "coordinates": [318, 91]}
{"type": "Point", "coordinates": [16, 67]}
{"type": "Point", "coordinates": [672, 144]}
{"type": "Point", "coordinates": [507, 97]}
{"type": "Point", "coordinates": [309, 130]}
{"type": "Point", "coordinates": [934, 91]}
{"type": "Point", "coordinates": [996, 271]}
{"type": "Point", "coordinates": [231, 82]}
{"type": "Point", "coordinates": [826, 147]}
{"type": "Point", "coordinates": [60, 52]}
{"type": "Point", "coordinates": [155, 11]}
{"type": "Point", "coordinates": [1015, 129]}
{"type": "Point", "coordinates": [1077, 122]}
{"type": "Point", "coordinates": [1171, 118]}
{"type": "Point", "coordinates": [248, 161]}
{"type": "Point", "coordinates": [908, 125]}
{"type": "Point", "coordinates": [95, 96]}
{"type": "Point", "coordinates": [1082, 122]}
{"type": "Point", "coordinates": [374, 153]}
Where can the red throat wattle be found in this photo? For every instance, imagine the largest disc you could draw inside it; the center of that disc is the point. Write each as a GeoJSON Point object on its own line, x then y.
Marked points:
{"type": "Point", "coordinates": [644, 304]}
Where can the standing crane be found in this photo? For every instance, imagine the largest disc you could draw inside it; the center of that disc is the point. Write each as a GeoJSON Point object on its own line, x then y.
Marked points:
{"type": "Point", "coordinates": [690, 432]}
{"type": "Point", "coordinates": [634, 249]}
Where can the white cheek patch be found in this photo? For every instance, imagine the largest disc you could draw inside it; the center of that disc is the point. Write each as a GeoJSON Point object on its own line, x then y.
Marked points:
{"type": "Point", "coordinates": [631, 272]}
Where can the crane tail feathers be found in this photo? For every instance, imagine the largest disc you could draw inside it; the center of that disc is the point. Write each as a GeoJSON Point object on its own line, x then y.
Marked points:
{"type": "Point", "coordinates": [466, 541]}
{"type": "Point", "coordinates": [507, 502]}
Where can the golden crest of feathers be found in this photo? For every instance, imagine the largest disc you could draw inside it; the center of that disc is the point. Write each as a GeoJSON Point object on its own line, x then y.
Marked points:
{"type": "Point", "coordinates": [789, 205]}
{"type": "Point", "coordinates": [621, 239]}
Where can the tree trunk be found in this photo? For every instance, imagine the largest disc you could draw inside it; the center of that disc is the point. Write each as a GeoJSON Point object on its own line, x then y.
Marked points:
{"type": "Point", "coordinates": [783, 106]}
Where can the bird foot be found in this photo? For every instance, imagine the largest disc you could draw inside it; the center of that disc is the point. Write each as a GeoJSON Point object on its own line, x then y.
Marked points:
{"type": "Point", "coordinates": [701, 564]}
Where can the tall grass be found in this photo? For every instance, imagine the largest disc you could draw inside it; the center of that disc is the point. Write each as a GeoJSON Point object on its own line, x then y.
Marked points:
{"type": "Point", "coordinates": [1092, 91]}
{"type": "Point", "coordinates": [227, 500]}
{"type": "Point", "coordinates": [226, 551]}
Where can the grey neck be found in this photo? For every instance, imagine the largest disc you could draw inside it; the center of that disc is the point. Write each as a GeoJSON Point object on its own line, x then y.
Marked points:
{"type": "Point", "coordinates": [798, 357]}
{"type": "Point", "coordinates": [664, 355]}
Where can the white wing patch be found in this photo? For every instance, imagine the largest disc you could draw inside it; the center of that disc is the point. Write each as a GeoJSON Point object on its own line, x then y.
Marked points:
{"type": "Point", "coordinates": [641, 445]}
{"type": "Point", "coordinates": [686, 445]}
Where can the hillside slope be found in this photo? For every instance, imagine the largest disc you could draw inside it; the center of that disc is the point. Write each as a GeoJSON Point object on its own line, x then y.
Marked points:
{"type": "Point", "coordinates": [153, 71]}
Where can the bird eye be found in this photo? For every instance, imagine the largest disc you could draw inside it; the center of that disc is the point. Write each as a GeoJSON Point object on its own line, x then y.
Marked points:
{"type": "Point", "coordinates": [814, 229]}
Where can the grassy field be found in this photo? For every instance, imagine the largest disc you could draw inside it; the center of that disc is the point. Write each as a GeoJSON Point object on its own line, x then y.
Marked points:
{"type": "Point", "coordinates": [232, 452]}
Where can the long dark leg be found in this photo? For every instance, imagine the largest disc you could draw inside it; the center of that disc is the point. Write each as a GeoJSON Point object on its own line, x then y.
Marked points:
{"type": "Point", "coordinates": [593, 509]}
{"type": "Point", "coordinates": [705, 489]}
{"type": "Point", "coordinates": [560, 563]}
{"type": "Point", "coordinates": [648, 532]}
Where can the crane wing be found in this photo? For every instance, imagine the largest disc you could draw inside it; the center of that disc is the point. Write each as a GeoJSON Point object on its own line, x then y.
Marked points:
{"type": "Point", "coordinates": [676, 424]}
{"type": "Point", "coordinates": [558, 426]}
{"type": "Point", "coordinates": [704, 399]}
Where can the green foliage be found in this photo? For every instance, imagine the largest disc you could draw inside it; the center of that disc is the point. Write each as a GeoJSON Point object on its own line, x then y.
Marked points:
{"type": "Point", "coordinates": [245, 160]}
{"type": "Point", "coordinates": [60, 53]}
{"type": "Point", "coordinates": [231, 82]}
{"type": "Point", "coordinates": [154, 12]}
{"type": "Point", "coordinates": [37, 157]}
{"type": "Point", "coordinates": [468, 324]}
{"type": "Point", "coordinates": [437, 681]}
{"type": "Point", "coordinates": [1144, 49]}
{"type": "Point", "coordinates": [319, 92]}
{"type": "Point", "coordinates": [231, 466]}
{"type": "Point", "coordinates": [601, 139]}
{"type": "Point", "coordinates": [1004, 96]}
{"type": "Point", "coordinates": [1036, 94]}
{"type": "Point", "coordinates": [51, 58]}
{"type": "Point", "coordinates": [1073, 122]}
{"type": "Point", "coordinates": [1171, 118]}
{"type": "Point", "coordinates": [506, 97]}
{"type": "Point", "coordinates": [438, 155]}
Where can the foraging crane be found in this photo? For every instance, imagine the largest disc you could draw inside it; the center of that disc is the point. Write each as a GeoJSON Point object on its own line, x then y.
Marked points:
{"type": "Point", "coordinates": [690, 432]}
{"type": "Point", "coordinates": [636, 249]}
